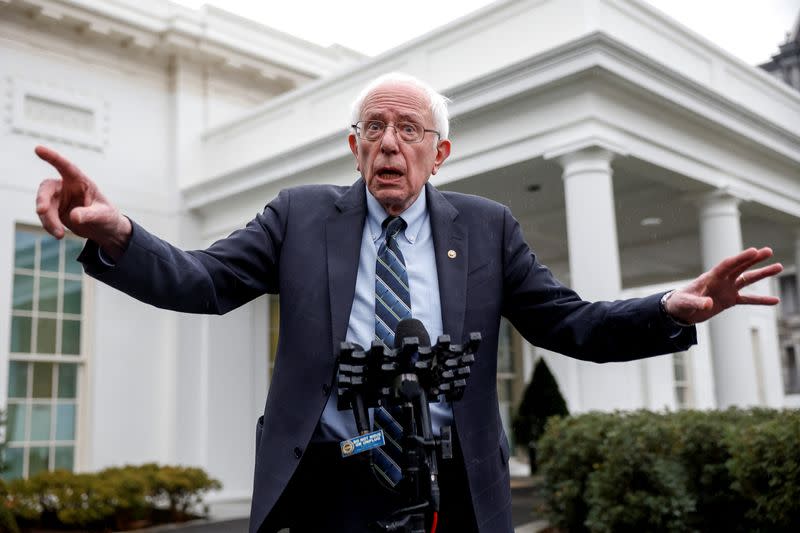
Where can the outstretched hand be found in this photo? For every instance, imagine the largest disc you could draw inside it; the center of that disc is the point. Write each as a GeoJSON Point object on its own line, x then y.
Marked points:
{"type": "Point", "coordinates": [75, 202]}
{"type": "Point", "coordinates": [719, 288]}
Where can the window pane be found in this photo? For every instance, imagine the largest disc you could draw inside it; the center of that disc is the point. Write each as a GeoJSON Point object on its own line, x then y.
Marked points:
{"type": "Point", "coordinates": [65, 421]}
{"type": "Point", "coordinates": [48, 294]}
{"type": "Point", "coordinates": [14, 457]}
{"type": "Point", "coordinates": [40, 422]}
{"type": "Point", "coordinates": [789, 295]}
{"type": "Point", "coordinates": [49, 259]}
{"type": "Point", "coordinates": [67, 380]}
{"type": "Point", "coordinates": [46, 336]}
{"type": "Point", "coordinates": [23, 292]}
{"type": "Point", "coordinates": [72, 249]}
{"type": "Point", "coordinates": [71, 337]}
{"type": "Point", "coordinates": [680, 375]}
{"type": "Point", "coordinates": [17, 379]}
{"type": "Point", "coordinates": [38, 460]}
{"type": "Point", "coordinates": [42, 380]}
{"type": "Point", "coordinates": [72, 296]}
{"type": "Point", "coordinates": [65, 457]}
{"type": "Point", "coordinates": [25, 249]}
{"type": "Point", "coordinates": [21, 334]}
{"type": "Point", "coordinates": [16, 422]}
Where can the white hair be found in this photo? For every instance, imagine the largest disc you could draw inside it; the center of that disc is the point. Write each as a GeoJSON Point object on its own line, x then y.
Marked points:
{"type": "Point", "coordinates": [438, 102]}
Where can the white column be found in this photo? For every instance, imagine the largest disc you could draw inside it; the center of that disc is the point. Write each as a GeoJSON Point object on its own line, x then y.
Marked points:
{"type": "Point", "coordinates": [731, 342]}
{"type": "Point", "coordinates": [591, 224]}
{"type": "Point", "coordinates": [594, 267]}
{"type": "Point", "coordinates": [796, 259]}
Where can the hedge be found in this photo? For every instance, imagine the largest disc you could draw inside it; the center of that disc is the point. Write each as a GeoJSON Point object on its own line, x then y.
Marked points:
{"type": "Point", "coordinates": [734, 470]}
{"type": "Point", "coordinates": [112, 499]}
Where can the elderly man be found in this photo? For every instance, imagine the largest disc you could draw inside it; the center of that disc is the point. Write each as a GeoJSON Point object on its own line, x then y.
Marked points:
{"type": "Point", "coordinates": [349, 262]}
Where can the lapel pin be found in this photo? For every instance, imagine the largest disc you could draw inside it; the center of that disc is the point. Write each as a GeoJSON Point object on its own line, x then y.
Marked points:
{"type": "Point", "coordinates": [451, 254]}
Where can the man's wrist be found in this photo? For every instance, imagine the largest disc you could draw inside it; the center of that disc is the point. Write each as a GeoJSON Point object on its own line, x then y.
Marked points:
{"type": "Point", "coordinates": [117, 242]}
{"type": "Point", "coordinates": [663, 306]}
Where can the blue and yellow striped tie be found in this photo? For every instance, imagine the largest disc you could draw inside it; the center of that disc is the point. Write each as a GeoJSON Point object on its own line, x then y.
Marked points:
{"type": "Point", "coordinates": [392, 304]}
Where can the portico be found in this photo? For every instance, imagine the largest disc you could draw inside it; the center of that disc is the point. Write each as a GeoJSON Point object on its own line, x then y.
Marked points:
{"type": "Point", "coordinates": [627, 175]}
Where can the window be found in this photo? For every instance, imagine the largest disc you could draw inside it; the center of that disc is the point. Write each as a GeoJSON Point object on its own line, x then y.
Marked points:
{"type": "Point", "coordinates": [791, 370]}
{"type": "Point", "coordinates": [509, 380]}
{"type": "Point", "coordinates": [45, 354]}
{"type": "Point", "coordinates": [789, 295]}
{"type": "Point", "coordinates": [273, 328]}
{"type": "Point", "coordinates": [680, 372]}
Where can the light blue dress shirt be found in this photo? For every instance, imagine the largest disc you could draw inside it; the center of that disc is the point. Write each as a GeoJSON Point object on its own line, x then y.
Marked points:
{"type": "Point", "coordinates": [416, 244]}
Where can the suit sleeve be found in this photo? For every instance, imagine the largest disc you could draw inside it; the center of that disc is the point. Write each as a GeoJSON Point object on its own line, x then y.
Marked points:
{"type": "Point", "coordinates": [226, 275]}
{"type": "Point", "coordinates": [552, 316]}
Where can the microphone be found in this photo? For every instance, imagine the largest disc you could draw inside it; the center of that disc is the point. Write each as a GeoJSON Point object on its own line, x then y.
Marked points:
{"type": "Point", "coordinates": [411, 327]}
{"type": "Point", "coordinates": [412, 340]}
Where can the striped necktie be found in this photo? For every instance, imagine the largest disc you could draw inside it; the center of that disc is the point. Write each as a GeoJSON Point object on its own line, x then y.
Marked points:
{"type": "Point", "coordinates": [392, 304]}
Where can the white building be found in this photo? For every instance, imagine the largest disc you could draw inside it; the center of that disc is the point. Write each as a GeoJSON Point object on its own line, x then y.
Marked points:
{"type": "Point", "coordinates": [634, 152]}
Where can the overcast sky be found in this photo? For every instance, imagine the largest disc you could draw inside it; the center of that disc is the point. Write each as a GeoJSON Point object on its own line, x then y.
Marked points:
{"type": "Point", "coordinates": [750, 29]}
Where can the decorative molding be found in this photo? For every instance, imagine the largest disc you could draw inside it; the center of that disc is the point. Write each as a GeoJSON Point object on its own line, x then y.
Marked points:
{"type": "Point", "coordinates": [208, 35]}
{"type": "Point", "coordinates": [585, 143]}
{"type": "Point", "coordinates": [58, 114]}
{"type": "Point", "coordinates": [597, 57]}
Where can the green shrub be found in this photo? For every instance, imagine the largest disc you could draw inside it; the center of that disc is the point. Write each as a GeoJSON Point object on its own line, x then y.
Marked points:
{"type": "Point", "coordinates": [117, 498]}
{"type": "Point", "coordinates": [765, 466]}
{"type": "Point", "coordinates": [640, 483]}
{"type": "Point", "coordinates": [542, 399]}
{"type": "Point", "coordinates": [177, 488]}
{"type": "Point", "coordinates": [7, 521]}
{"type": "Point", "coordinates": [734, 470]}
{"type": "Point", "coordinates": [569, 452]}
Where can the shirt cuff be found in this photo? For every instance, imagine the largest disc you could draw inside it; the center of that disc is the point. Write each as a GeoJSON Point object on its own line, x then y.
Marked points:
{"type": "Point", "coordinates": [107, 261]}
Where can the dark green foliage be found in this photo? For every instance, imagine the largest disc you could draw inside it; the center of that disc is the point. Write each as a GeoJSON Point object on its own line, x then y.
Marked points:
{"type": "Point", "coordinates": [690, 471]}
{"type": "Point", "coordinates": [765, 466]}
{"type": "Point", "coordinates": [542, 399]}
{"type": "Point", "coordinates": [112, 499]}
{"type": "Point", "coordinates": [8, 523]}
{"type": "Point", "coordinates": [569, 453]}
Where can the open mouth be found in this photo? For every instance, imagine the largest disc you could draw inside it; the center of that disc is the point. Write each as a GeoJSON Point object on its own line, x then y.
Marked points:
{"type": "Point", "coordinates": [389, 172]}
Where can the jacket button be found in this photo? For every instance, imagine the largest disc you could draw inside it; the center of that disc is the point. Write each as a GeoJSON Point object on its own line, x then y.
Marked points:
{"type": "Point", "coordinates": [298, 452]}
{"type": "Point", "coordinates": [326, 389]}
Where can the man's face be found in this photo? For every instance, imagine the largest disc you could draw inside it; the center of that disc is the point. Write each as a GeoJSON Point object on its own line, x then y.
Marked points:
{"type": "Point", "coordinates": [396, 171]}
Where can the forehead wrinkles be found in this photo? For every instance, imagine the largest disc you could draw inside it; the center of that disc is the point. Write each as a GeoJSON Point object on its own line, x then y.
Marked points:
{"type": "Point", "coordinates": [403, 100]}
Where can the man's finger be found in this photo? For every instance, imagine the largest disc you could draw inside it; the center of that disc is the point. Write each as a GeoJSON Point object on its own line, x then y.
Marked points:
{"type": "Point", "coordinates": [86, 215]}
{"type": "Point", "coordinates": [47, 207]}
{"type": "Point", "coordinates": [761, 255]}
{"type": "Point", "coordinates": [754, 276]}
{"type": "Point", "coordinates": [754, 299]}
{"type": "Point", "coordinates": [68, 171]}
{"type": "Point", "coordinates": [730, 267]}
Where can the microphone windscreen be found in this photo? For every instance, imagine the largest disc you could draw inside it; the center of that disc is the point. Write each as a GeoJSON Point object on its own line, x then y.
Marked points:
{"type": "Point", "coordinates": [411, 327]}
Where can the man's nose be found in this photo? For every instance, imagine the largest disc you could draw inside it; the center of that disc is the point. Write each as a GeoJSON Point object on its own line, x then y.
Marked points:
{"type": "Point", "coordinates": [389, 141]}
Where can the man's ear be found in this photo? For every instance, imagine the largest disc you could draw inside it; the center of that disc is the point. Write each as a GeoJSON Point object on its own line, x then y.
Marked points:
{"type": "Point", "coordinates": [353, 142]}
{"type": "Point", "coordinates": [442, 153]}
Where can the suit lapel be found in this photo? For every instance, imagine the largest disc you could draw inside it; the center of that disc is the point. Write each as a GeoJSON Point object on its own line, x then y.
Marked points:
{"type": "Point", "coordinates": [450, 247]}
{"type": "Point", "coordinates": [343, 232]}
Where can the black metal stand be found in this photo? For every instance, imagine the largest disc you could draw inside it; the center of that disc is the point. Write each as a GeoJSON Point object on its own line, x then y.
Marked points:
{"type": "Point", "coordinates": [407, 377]}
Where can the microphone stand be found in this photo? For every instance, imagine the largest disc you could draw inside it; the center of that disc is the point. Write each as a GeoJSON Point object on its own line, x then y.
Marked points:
{"type": "Point", "coordinates": [407, 377]}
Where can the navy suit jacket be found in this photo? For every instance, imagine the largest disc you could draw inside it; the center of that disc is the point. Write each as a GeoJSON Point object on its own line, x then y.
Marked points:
{"type": "Point", "coordinates": [305, 246]}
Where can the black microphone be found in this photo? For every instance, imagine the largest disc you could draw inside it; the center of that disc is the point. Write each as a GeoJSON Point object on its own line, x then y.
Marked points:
{"type": "Point", "coordinates": [409, 328]}
{"type": "Point", "coordinates": [411, 339]}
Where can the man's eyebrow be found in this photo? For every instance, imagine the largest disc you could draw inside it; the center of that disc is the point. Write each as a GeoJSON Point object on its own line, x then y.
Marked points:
{"type": "Point", "coordinates": [410, 117]}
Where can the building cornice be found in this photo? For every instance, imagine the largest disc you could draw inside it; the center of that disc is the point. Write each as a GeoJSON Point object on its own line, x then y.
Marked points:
{"type": "Point", "coordinates": [597, 56]}
{"type": "Point", "coordinates": [208, 35]}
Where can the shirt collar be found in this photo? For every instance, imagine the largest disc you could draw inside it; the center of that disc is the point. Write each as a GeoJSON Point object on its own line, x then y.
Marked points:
{"type": "Point", "coordinates": [414, 216]}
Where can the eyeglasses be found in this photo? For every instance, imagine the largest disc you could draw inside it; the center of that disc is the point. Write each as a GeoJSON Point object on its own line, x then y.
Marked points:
{"type": "Point", "coordinates": [408, 132]}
